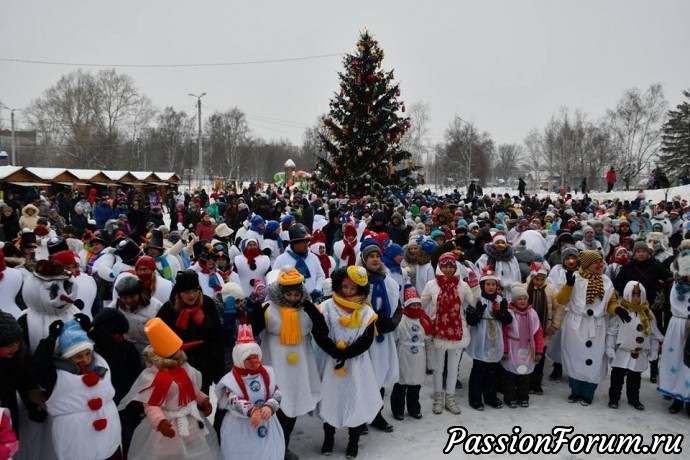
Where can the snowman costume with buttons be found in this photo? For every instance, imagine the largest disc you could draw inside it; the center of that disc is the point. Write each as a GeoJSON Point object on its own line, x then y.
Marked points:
{"type": "Point", "coordinates": [241, 392]}
{"type": "Point", "coordinates": [10, 284]}
{"type": "Point", "coordinates": [248, 272]}
{"type": "Point", "coordinates": [584, 327]}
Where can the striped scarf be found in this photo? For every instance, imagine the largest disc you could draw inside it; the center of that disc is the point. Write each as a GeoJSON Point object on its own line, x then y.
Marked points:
{"type": "Point", "coordinates": [595, 285]}
{"type": "Point", "coordinates": [163, 267]}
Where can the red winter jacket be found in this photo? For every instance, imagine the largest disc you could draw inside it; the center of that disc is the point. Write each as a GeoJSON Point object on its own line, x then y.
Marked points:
{"type": "Point", "coordinates": [611, 177]}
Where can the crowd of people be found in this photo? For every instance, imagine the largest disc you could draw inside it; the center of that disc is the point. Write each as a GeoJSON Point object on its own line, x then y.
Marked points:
{"type": "Point", "coordinates": [122, 312]}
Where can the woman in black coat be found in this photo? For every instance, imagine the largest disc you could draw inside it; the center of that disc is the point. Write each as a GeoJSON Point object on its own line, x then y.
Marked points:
{"type": "Point", "coordinates": [10, 223]}
{"type": "Point", "coordinates": [194, 317]}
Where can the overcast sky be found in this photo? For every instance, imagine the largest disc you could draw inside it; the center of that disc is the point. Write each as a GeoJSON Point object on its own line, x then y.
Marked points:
{"type": "Point", "coordinates": [507, 66]}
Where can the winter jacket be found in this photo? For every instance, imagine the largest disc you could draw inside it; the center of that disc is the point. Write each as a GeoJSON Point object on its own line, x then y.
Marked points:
{"type": "Point", "coordinates": [26, 220]}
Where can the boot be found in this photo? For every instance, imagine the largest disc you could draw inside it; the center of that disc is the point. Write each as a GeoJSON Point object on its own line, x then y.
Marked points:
{"type": "Point", "coordinates": [557, 372]}
{"type": "Point", "coordinates": [328, 439]}
{"type": "Point", "coordinates": [676, 406]}
{"type": "Point", "coordinates": [353, 443]}
{"type": "Point", "coordinates": [653, 370]}
{"type": "Point", "coordinates": [437, 408]}
{"type": "Point", "coordinates": [380, 423]}
{"type": "Point", "coordinates": [451, 405]}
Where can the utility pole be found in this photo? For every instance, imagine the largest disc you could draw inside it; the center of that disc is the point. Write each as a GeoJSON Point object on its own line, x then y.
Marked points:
{"type": "Point", "coordinates": [14, 143]}
{"type": "Point", "coordinates": [201, 161]}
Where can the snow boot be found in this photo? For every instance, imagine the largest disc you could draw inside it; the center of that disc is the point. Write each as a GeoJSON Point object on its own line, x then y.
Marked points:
{"type": "Point", "coordinates": [451, 405]}
{"type": "Point", "coordinates": [328, 439]}
{"type": "Point", "coordinates": [437, 408]}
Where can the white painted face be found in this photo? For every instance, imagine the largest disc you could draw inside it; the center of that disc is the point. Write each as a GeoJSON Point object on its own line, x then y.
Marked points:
{"type": "Point", "coordinates": [49, 296]}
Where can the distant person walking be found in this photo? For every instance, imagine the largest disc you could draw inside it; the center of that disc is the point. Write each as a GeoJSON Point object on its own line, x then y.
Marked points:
{"type": "Point", "coordinates": [583, 185]}
{"type": "Point", "coordinates": [610, 179]}
{"type": "Point", "coordinates": [521, 187]}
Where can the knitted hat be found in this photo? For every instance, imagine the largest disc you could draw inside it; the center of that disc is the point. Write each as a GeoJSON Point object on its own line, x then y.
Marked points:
{"type": "Point", "coordinates": [257, 221]}
{"type": "Point", "coordinates": [245, 346]}
{"type": "Point", "coordinates": [298, 233]}
{"type": "Point", "coordinates": [499, 237]}
{"type": "Point", "coordinates": [65, 258]}
{"type": "Point", "coordinates": [427, 246]}
{"type": "Point", "coordinates": [128, 285]}
{"type": "Point", "coordinates": [488, 273]}
{"type": "Point", "coordinates": [393, 250]}
{"type": "Point", "coordinates": [587, 258]}
{"type": "Point", "coordinates": [447, 258]}
{"type": "Point", "coordinates": [233, 290]}
{"type": "Point", "coordinates": [358, 275]}
{"type": "Point", "coordinates": [10, 331]}
{"type": "Point", "coordinates": [369, 248]}
{"type": "Point", "coordinates": [112, 320]}
{"type": "Point", "coordinates": [349, 230]}
{"type": "Point", "coordinates": [163, 340]}
{"type": "Point", "coordinates": [538, 268]}
{"type": "Point", "coordinates": [437, 234]}
{"type": "Point", "coordinates": [146, 261]}
{"type": "Point", "coordinates": [586, 229]}
{"type": "Point", "coordinates": [187, 280]}
{"type": "Point", "coordinates": [414, 241]}
{"type": "Point", "coordinates": [639, 245]}
{"type": "Point", "coordinates": [318, 239]}
{"type": "Point", "coordinates": [569, 251]}
{"type": "Point", "coordinates": [682, 262]}
{"type": "Point", "coordinates": [289, 276]}
{"type": "Point", "coordinates": [519, 291]}
{"type": "Point", "coordinates": [73, 339]}
{"type": "Point", "coordinates": [411, 295]}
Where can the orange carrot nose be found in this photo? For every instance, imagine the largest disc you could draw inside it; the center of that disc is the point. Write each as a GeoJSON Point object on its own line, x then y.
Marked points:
{"type": "Point", "coordinates": [254, 361]}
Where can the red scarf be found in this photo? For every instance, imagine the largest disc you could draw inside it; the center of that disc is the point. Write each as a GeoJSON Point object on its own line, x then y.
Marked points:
{"type": "Point", "coordinates": [162, 382]}
{"type": "Point", "coordinates": [145, 281]}
{"type": "Point", "coordinates": [251, 255]}
{"type": "Point", "coordinates": [325, 264]}
{"type": "Point", "coordinates": [348, 252]}
{"type": "Point", "coordinates": [238, 372]}
{"type": "Point", "coordinates": [418, 313]}
{"type": "Point", "coordinates": [196, 313]}
{"type": "Point", "coordinates": [448, 321]}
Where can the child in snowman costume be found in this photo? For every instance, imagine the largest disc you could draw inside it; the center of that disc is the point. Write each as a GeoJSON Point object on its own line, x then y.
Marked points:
{"type": "Point", "coordinates": [169, 388]}
{"type": "Point", "coordinates": [251, 397]}
{"type": "Point", "coordinates": [630, 346]}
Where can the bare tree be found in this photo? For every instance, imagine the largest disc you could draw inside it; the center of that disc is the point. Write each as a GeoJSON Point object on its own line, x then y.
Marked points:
{"type": "Point", "coordinates": [465, 154]}
{"type": "Point", "coordinates": [226, 132]}
{"type": "Point", "coordinates": [635, 128]}
{"type": "Point", "coordinates": [534, 156]}
{"type": "Point", "coordinates": [414, 140]}
{"type": "Point", "coordinates": [508, 161]}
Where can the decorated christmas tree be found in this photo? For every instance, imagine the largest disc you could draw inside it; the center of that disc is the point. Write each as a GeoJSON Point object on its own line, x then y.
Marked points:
{"type": "Point", "coordinates": [361, 145]}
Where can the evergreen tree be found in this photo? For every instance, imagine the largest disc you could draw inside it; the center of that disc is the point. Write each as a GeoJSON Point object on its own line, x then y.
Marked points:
{"type": "Point", "coordinates": [361, 145]}
{"type": "Point", "coordinates": [675, 156]}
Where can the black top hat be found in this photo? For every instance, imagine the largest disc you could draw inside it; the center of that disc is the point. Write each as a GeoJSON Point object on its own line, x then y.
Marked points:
{"type": "Point", "coordinates": [28, 240]}
{"type": "Point", "coordinates": [201, 249]}
{"type": "Point", "coordinates": [298, 233]}
{"type": "Point", "coordinates": [100, 237]}
{"type": "Point", "coordinates": [57, 244]}
{"type": "Point", "coordinates": [128, 251]}
{"type": "Point", "coordinates": [156, 240]}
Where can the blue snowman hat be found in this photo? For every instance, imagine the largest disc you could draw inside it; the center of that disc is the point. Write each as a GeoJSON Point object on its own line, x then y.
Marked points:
{"type": "Point", "coordinates": [428, 246]}
{"type": "Point", "coordinates": [73, 339]}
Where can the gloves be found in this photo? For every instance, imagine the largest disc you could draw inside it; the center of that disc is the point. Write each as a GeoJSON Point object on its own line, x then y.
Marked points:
{"type": "Point", "coordinates": [623, 314]}
{"type": "Point", "coordinates": [316, 295]}
{"type": "Point", "coordinates": [165, 428]}
{"type": "Point", "coordinates": [206, 407]}
{"type": "Point", "coordinates": [610, 353]}
{"type": "Point", "coordinates": [538, 357]}
{"type": "Point", "coordinates": [55, 329]}
{"type": "Point", "coordinates": [503, 305]}
{"type": "Point", "coordinates": [84, 321]}
{"type": "Point", "coordinates": [570, 277]}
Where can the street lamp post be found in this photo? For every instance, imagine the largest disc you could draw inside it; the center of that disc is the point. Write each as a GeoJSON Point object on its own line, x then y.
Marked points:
{"type": "Point", "coordinates": [469, 161]}
{"type": "Point", "coordinates": [14, 144]}
{"type": "Point", "coordinates": [201, 161]}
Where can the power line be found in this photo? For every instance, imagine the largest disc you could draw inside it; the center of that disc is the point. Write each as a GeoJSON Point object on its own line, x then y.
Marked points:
{"type": "Point", "coordinates": [213, 64]}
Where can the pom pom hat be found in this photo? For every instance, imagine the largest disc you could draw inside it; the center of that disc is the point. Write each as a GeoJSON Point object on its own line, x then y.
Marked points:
{"type": "Point", "coordinates": [519, 291]}
{"type": "Point", "coordinates": [411, 295]}
{"type": "Point", "coordinates": [488, 273]}
{"type": "Point", "coordinates": [65, 258]}
{"type": "Point", "coordinates": [73, 340]}
{"type": "Point", "coordinates": [538, 268]}
{"type": "Point", "coordinates": [447, 259]}
{"type": "Point", "coordinates": [164, 341]}
{"type": "Point", "coordinates": [358, 275]}
{"type": "Point", "coordinates": [290, 279]}
{"type": "Point", "coordinates": [587, 258]}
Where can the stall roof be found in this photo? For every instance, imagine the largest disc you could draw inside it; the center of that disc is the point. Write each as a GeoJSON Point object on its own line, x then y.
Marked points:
{"type": "Point", "coordinates": [6, 171]}
{"type": "Point", "coordinates": [53, 174]}
{"type": "Point", "coordinates": [28, 184]}
{"type": "Point", "coordinates": [85, 174]}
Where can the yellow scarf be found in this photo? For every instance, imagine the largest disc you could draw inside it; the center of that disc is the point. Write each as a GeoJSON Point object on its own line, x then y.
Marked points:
{"type": "Point", "coordinates": [290, 332]}
{"type": "Point", "coordinates": [595, 285]}
{"type": "Point", "coordinates": [646, 315]}
{"type": "Point", "coordinates": [356, 304]}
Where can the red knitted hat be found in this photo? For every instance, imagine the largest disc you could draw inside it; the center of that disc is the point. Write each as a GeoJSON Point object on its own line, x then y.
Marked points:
{"type": "Point", "coordinates": [65, 258]}
{"type": "Point", "coordinates": [349, 230]}
{"type": "Point", "coordinates": [146, 261]}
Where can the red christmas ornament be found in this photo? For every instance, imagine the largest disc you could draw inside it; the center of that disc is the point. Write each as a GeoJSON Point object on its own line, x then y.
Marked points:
{"type": "Point", "coordinates": [336, 172]}
{"type": "Point", "coordinates": [358, 80]}
{"type": "Point", "coordinates": [100, 424]}
{"type": "Point", "coordinates": [95, 403]}
{"type": "Point", "coordinates": [372, 78]}
{"type": "Point", "coordinates": [403, 108]}
{"type": "Point", "coordinates": [90, 379]}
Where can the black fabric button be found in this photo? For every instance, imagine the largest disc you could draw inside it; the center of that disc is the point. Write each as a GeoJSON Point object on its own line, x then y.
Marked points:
{"type": "Point", "coordinates": [588, 362]}
{"type": "Point", "coordinates": [588, 343]}
{"type": "Point", "coordinates": [639, 339]}
{"type": "Point", "coordinates": [590, 312]}
{"type": "Point", "coordinates": [640, 328]}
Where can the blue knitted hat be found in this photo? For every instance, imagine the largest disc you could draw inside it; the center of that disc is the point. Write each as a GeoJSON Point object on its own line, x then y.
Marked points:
{"type": "Point", "coordinates": [73, 339]}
